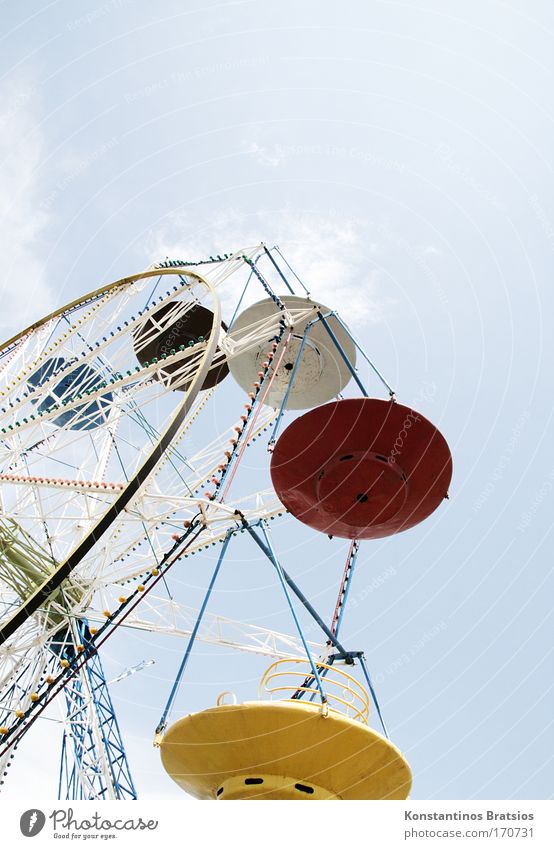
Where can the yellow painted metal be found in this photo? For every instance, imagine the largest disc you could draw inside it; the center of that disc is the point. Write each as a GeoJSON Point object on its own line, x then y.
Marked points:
{"type": "Point", "coordinates": [284, 743]}
{"type": "Point", "coordinates": [294, 674]}
{"type": "Point", "coordinates": [267, 787]}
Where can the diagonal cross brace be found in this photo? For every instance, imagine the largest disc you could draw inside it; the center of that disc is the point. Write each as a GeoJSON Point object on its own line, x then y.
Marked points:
{"type": "Point", "coordinates": [296, 590]}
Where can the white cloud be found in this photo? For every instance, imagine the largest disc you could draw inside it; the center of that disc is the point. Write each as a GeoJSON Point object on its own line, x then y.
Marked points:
{"type": "Point", "coordinates": [24, 290]}
{"type": "Point", "coordinates": [331, 254]}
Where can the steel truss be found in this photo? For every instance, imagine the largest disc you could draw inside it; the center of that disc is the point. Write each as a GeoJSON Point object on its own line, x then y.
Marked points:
{"type": "Point", "coordinates": [93, 760]}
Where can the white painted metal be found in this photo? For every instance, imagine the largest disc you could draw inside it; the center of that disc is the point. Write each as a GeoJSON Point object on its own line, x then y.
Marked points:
{"type": "Point", "coordinates": [322, 372]}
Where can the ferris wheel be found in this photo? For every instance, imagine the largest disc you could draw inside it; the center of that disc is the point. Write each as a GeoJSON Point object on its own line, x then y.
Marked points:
{"type": "Point", "coordinates": [102, 491]}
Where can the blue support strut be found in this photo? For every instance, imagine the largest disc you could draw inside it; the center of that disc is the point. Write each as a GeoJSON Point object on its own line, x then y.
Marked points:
{"type": "Point", "coordinates": [280, 273]}
{"type": "Point", "coordinates": [280, 573]}
{"type": "Point", "coordinates": [292, 271]}
{"type": "Point", "coordinates": [298, 593]}
{"type": "Point", "coordinates": [289, 386]}
{"type": "Point", "coordinates": [365, 670]}
{"type": "Point", "coordinates": [163, 721]}
{"type": "Point", "coordinates": [238, 306]}
{"type": "Point", "coordinates": [94, 762]}
{"type": "Point", "coordinates": [339, 348]}
{"type": "Point", "coordinates": [391, 391]}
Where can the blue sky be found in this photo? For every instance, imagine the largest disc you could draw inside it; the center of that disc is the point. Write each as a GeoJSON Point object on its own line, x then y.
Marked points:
{"type": "Point", "coordinates": [400, 155]}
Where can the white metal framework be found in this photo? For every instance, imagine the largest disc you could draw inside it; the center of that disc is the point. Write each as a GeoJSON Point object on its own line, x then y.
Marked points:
{"type": "Point", "coordinates": [91, 496]}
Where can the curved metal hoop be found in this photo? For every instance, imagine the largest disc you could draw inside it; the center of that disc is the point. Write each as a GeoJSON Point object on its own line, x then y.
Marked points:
{"type": "Point", "coordinates": [44, 590]}
{"type": "Point", "coordinates": [278, 680]}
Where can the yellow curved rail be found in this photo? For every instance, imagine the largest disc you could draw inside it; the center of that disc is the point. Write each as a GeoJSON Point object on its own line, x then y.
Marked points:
{"type": "Point", "coordinates": [343, 692]}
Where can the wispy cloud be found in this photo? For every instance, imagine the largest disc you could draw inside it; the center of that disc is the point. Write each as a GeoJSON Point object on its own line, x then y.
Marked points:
{"type": "Point", "coordinates": [331, 254]}
{"type": "Point", "coordinates": [24, 289]}
{"type": "Point", "coordinates": [264, 154]}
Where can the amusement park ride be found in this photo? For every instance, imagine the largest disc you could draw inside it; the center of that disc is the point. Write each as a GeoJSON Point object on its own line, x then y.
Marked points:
{"type": "Point", "coordinates": [101, 497]}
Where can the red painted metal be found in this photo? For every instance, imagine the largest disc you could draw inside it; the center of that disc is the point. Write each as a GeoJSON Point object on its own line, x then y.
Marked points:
{"type": "Point", "coordinates": [361, 468]}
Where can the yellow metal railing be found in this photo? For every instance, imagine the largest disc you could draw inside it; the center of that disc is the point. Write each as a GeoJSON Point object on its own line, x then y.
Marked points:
{"type": "Point", "coordinates": [343, 692]}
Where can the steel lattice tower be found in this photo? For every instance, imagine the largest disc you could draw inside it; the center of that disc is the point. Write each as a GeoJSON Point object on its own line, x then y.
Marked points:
{"type": "Point", "coordinates": [93, 760]}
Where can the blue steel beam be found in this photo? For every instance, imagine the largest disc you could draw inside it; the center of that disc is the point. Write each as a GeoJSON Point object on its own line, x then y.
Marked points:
{"type": "Point", "coordinates": [93, 762]}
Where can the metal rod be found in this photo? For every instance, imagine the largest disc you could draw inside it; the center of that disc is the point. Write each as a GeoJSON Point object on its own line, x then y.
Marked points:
{"type": "Point", "coordinates": [260, 395]}
{"type": "Point", "coordinates": [365, 670]}
{"type": "Point", "coordinates": [351, 368]}
{"type": "Point", "coordinates": [283, 581]}
{"type": "Point", "coordinates": [275, 298]}
{"type": "Point", "coordinates": [281, 275]}
{"type": "Point", "coordinates": [352, 557]}
{"type": "Point", "coordinates": [292, 271]}
{"type": "Point", "coordinates": [242, 296]}
{"type": "Point", "coordinates": [240, 302]}
{"type": "Point", "coordinates": [287, 393]}
{"type": "Point", "coordinates": [151, 295]}
{"type": "Point", "coordinates": [298, 593]}
{"type": "Point", "coordinates": [324, 672]}
{"type": "Point", "coordinates": [392, 393]}
{"type": "Point", "coordinates": [182, 667]}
